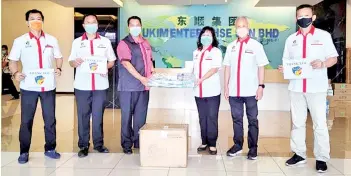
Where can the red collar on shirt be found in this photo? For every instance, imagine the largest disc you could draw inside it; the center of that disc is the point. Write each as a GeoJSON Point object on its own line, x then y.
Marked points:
{"type": "Point", "coordinates": [208, 49]}
{"type": "Point", "coordinates": [31, 35]}
{"type": "Point", "coordinates": [309, 32]}
{"type": "Point", "coordinates": [246, 40]}
{"type": "Point", "coordinates": [85, 37]}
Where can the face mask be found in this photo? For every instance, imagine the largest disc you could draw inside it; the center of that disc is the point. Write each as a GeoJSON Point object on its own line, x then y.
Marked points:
{"type": "Point", "coordinates": [206, 40]}
{"type": "Point", "coordinates": [242, 32]}
{"type": "Point", "coordinates": [304, 22]}
{"type": "Point", "coordinates": [91, 28]}
{"type": "Point", "coordinates": [3, 52]}
{"type": "Point", "coordinates": [36, 25]}
{"type": "Point", "coordinates": [135, 31]}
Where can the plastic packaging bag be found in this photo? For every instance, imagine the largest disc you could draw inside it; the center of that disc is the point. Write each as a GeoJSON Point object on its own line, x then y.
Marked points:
{"type": "Point", "coordinates": [180, 80]}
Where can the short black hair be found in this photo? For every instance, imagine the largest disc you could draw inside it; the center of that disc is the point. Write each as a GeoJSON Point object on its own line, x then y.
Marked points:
{"type": "Point", "coordinates": [214, 38]}
{"type": "Point", "coordinates": [5, 47]}
{"type": "Point", "coordinates": [304, 6]}
{"type": "Point", "coordinates": [34, 11]}
{"type": "Point", "coordinates": [134, 18]}
{"type": "Point", "coordinates": [89, 14]}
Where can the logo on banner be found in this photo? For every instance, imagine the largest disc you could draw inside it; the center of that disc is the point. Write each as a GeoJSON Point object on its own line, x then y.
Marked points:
{"type": "Point", "coordinates": [93, 66]}
{"type": "Point", "coordinates": [39, 79]}
{"type": "Point", "coordinates": [297, 70]}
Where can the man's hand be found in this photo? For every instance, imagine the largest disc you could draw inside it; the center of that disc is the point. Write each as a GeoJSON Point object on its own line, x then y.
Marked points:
{"type": "Point", "coordinates": [281, 69]}
{"type": "Point", "coordinates": [19, 76]}
{"type": "Point", "coordinates": [144, 81]}
{"type": "Point", "coordinates": [58, 72]}
{"type": "Point", "coordinates": [198, 82]}
{"type": "Point", "coordinates": [226, 93]}
{"type": "Point", "coordinates": [259, 93]}
{"type": "Point", "coordinates": [78, 62]}
{"type": "Point", "coordinates": [317, 64]}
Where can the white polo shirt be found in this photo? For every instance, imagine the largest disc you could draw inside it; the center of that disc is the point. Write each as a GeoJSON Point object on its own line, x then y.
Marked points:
{"type": "Point", "coordinates": [35, 54]}
{"type": "Point", "coordinates": [204, 61]}
{"type": "Point", "coordinates": [317, 44]}
{"type": "Point", "coordinates": [82, 47]}
{"type": "Point", "coordinates": [244, 58]}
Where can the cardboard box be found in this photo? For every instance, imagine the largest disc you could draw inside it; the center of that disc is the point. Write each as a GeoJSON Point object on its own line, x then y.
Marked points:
{"type": "Point", "coordinates": [342, 97]}
{"type": "Point", "coordinates": [343, 111]}
{"type": "Point", "coordinates": [164, 145]}
{"type": "Point", "coordinates": [342, 92]}
{"type": "Point", "coordinates": [341, 86]}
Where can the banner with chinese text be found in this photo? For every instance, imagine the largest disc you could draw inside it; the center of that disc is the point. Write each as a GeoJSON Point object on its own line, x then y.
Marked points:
{"type": "Point", "coordinates": [173, 30]}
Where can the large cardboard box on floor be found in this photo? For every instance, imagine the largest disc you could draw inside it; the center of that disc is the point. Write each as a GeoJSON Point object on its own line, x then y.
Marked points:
{"type": "Point", "coordinates": [164, 145]}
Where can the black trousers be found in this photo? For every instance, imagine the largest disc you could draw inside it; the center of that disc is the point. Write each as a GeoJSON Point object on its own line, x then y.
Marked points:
{"type": "Point", "coordinates": [237, 110]}
{"type": "Point", "coordinates": [29, 101]}
{"type": "Point", "coordinates": [8, 83]}
{"type": "Point", "coordinates": [208, 117]}
{"type": "Point", "coordinates": [90, 104]}
{"type": "Point", "coordinates": [134, 107]}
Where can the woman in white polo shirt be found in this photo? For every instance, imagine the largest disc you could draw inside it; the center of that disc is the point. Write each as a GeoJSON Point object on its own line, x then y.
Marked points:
{"type": "Point", "coordinates": [207, 61]}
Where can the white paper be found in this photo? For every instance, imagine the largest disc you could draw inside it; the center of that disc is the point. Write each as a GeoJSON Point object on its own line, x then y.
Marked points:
{"type": "Point", "coordinates": [297, 69]}
{"type": "Point", "coordinates": [94, 64]}
{"type": "Point", "coordinates": [40, 78]}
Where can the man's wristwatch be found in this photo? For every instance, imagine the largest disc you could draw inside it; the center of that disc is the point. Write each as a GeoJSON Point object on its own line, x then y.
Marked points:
{"type": "Point", "coordinates": [261, 85]}
{"type": "Point", "coordinates": [59, 69]}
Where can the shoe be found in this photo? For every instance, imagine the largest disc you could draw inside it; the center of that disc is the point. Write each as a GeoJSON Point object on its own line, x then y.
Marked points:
{"type": "Point", "coordinates": [102, 149]}
{"type": "Point", "coordinates": [321, 166]}
{"type": "Point", "coordinates": [23, 158]}
{"type": "Point", "coordinates": [234, 151]}
{"type": "Point", "coordinates": [52, 154]}
{"type": "Point", "coordinates": [295, 160]}
{"type": "Point", "coordinates": [202, 148]}
{"type": "Point", "coordinates": [127, 151]}
{"type": "Point", "coordinates": [252, 155]}
{"type": "Point", "coordinates": [212, 151]}
{"type": "Point", "coordinates": [83, 152]}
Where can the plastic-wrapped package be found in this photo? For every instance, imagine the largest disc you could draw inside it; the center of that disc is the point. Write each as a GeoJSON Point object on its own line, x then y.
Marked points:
{"type": "Point", "coordinates": [180, 80]}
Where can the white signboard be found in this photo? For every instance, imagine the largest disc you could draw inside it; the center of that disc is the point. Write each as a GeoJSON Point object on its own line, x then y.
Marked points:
{"type": "Point", "coordinates": [94, 64]}
{"type": "Point", "coordinates": [40, 78]}
{"type": "Point", "coordinates": [297, 69]}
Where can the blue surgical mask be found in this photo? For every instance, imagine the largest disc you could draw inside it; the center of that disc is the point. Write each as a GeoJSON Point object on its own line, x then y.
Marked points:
{"type": "Point", "coordinates": [91, 28]}
{"type": "Point", "coordinates": [135, 31]}
{"type": "Point", "coordinates": [206, 40]}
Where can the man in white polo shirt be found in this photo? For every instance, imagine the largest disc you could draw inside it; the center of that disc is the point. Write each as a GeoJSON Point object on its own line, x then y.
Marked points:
{"type": "Point", "coordinates": [90, 52]}
{"type": "Point", "coordinates": [309, 43]}
{"type": "Point", "coordinates": [36, 50]}
{"type": "Point", "coordinates": [243, 84]}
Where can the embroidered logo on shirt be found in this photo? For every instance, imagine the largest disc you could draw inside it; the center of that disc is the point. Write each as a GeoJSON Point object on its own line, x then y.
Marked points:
{"type": "Point", "coordinates": [233, 48]}
{"type": "Point", "coordinates": [82, 45]}
{"type": "Point", "coordinates": [249, 51]}
{"type": "Point", "coordinates": [297, 70]}
{"type": "Point", "coordinates": [39, 79]}
{"type": "Point", "coordinates": [317, 42]}
{"type": "Point", "coordinates": [93, 66]}
{"type": "Point", "coordinates": [28, 45]}
{"type": "Point", "coordinates": [294, 43]}
{"type": "Point", "coordinates": [101, 46]}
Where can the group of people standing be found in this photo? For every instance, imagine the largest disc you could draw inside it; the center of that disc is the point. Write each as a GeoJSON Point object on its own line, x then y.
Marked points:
{"type": "Point", "coordinates": [243, 62]}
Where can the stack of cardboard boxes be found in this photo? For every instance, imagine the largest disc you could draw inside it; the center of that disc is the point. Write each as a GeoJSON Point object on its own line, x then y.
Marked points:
{"type": "Point", "coordinates": [339, 103]}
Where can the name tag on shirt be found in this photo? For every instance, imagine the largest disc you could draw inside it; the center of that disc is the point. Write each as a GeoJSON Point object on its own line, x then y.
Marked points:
{"type": "Point", "coordinates": [297, 69]}
{"type": "Point", "coordinates": [94, 64]}
{"type": "Point", "coordinates": [40, 78]}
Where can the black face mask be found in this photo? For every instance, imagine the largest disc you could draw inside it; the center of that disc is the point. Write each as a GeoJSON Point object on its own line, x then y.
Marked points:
{"type": "Point", "coordinates": [304, 22]}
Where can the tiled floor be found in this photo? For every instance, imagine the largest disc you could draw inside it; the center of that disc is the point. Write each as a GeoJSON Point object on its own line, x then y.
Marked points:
{"type": "Point", "coordinates": [273, 146]}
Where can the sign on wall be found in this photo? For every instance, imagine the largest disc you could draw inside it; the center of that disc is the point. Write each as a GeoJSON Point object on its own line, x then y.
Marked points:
{"type": "Point", "coordinates": [173, 30]}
